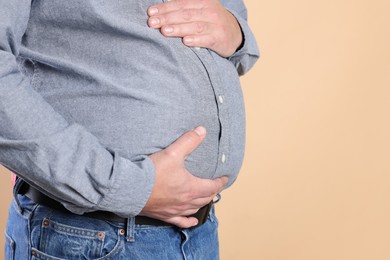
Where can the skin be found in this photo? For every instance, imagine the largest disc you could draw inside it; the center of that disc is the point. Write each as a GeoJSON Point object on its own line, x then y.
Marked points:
{"type": "Point", "coordinates": [200, 23]}
{"type": "Point", "coordinates": [177, 193]}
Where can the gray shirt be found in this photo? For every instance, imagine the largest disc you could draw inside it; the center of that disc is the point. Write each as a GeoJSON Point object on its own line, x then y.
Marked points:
{"type": "Point", "coordinates": [88, 91]}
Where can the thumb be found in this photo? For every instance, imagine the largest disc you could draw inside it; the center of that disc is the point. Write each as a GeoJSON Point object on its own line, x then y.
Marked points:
{"type": "Point", "coordinates": [188, 142]}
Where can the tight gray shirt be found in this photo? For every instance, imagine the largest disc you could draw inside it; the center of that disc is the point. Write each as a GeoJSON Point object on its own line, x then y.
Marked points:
{"type": "Point", "coordinates": [88, 91]}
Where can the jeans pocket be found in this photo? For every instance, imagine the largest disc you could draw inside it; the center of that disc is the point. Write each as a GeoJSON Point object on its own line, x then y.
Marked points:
{"type": "Point", "coordinates": [66, 241]}
{"type": "Point", "coordinates": [9, 252]}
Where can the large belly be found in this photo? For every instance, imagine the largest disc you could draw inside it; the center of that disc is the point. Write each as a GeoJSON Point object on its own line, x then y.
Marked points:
{"type": "Point", "coordinates": [134, 89]}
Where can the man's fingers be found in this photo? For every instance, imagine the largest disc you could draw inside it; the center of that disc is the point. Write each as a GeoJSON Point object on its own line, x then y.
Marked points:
{"type": "Point", "coordinates": [187, 143]}
{"type": "Point", "coordinates": [180, 17]}
{"type": "Point", "coordinates": [183, 222]}
{"type": "Point", "coordinates": [210, 41]}
{"type": "Point", "coordinates": [190, 212]}
{"type": "Point", "coordinates": [206, 24]}
{"type": "Point", "coordinates": [200, 202]}
{"type": "Point", "coordinates": [209, 188]}
{"type": "Point", "coordinates": [171, 6]}
{"type": "Point", "coordinates": [181, 30]}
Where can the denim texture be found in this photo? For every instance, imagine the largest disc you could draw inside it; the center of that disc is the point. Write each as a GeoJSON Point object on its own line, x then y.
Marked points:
{"type": "Point", "coordinates": [88, 91]}
{"type": "Point", "coordinates": [37, 232]}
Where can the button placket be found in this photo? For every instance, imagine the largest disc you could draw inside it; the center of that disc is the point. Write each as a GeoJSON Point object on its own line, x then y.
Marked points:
{"type": "Point", "coordinates": [223, 115]}
{"type": "Point", "coordinates": [223, 110]}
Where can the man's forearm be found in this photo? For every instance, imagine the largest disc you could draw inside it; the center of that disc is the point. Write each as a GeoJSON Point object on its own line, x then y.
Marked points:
{"type": "Point", "coordinates": [63, 160]}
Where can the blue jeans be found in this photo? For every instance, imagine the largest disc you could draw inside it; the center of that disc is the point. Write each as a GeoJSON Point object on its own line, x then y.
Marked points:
{"type": "Point", "coordinates": [38, 232]}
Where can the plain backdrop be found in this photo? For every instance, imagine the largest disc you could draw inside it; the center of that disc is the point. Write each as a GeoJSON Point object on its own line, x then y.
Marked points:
{"type": "Point", "coordinates": [315, 184]}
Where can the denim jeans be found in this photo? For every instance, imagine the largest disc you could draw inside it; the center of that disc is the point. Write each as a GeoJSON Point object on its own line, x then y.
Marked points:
{"type": "Point", "coordinates": [38, 232]}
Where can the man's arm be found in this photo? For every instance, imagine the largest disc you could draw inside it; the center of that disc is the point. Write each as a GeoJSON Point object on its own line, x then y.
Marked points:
{"type": "Point", "coordinates": [218, 25]}
{"type": "Point", "coordinates": [64, 160]}
{"type": "Point", "coordinates": [248, 54]}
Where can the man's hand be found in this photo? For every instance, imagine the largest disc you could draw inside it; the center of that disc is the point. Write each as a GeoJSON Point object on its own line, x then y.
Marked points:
{"type": "Point", "coordinates": [201, 23]}
{"type": "Point", "coordinates": [177, 193]}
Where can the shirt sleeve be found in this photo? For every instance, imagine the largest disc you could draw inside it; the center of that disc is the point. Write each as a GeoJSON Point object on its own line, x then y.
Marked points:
{"type": "Point", "coordinates": [244, 58]}
{"type": "Point", "coordinates": [61, 159]}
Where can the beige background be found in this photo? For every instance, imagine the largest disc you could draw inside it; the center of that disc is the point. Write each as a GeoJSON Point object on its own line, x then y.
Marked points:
{"type": "Point", "coordinates": [316, 179]}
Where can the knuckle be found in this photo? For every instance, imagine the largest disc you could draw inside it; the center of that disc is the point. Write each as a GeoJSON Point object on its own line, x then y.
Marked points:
{"type": "Point", "coordinates": [181, 208]}
{"type": "Point", "coordinates": [163, 20]}
{"type": "Point", "coordinates": [172, 212]}
{"type": "Point", "coordinates": [192, 211]}
{"type": "Point", "coordinates": [177, 30]}
{"type": "Point", "coordinates": [184, 199]}
{"type": "Point", "coordinates": [187, 15]}
{"type": "Point", "coordinates": [199, 27]}
{"type": "Point", "coordinates": [172, 153]}
{"type": "Point", "coordinates": [191, 195]}
{"type": "Point", "coordinates": [213, 42]}
{"type": "Point", "coordinates": [201, 12]}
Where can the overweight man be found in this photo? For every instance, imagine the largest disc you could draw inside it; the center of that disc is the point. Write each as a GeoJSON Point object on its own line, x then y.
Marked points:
{"type": "Point", "coordinates": [123, 120]}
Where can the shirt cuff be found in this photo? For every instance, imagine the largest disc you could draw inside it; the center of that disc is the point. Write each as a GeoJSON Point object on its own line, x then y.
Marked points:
{"type": "Point", "coordinates": [132, 188]}
{"type": "Point", "coordinates": [248, 53]}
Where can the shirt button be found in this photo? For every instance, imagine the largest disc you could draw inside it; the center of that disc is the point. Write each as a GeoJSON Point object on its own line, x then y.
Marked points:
{"type": "Point", "coordinates": [220, 98]}
{"type": "Point", "coordinates": [196, 48]}
{"type": "Point", "coordinates": [223, 158]}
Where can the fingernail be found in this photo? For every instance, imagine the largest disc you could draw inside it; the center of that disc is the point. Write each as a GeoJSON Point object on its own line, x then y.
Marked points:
{"type": "Point", "coordinates": [168, 29]}
{"type": "Point", "coordinates": [154, 21]}
{"type": "Point", "coordinates": [200, 130]}
{"type": "Point", "coordinates": [153, 10]}
{"type": "Point", "coordinates": [188, 40]}
{"type": "Point", "coordinates": [195, 222]}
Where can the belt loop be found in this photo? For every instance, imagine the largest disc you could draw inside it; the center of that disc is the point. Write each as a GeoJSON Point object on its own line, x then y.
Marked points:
{"type": "Point", "coordinates": [130, 229]}
{"type": "Point", "coordinates": [18, 185]}
{"type": "Point", "coordinates": [218, 198]}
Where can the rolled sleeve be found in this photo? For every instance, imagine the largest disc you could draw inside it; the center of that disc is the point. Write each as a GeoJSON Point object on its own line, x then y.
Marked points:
{"type": "Point", "coordinates": [125, 201]}
{"type": "Point", "coordinates": [245, 57]}
{"type": "Point", "coordinates": [60, 158]}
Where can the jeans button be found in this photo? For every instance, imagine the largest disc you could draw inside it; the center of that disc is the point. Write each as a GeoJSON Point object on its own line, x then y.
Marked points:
{"type": "Point", "coordinates": [46, 223]}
